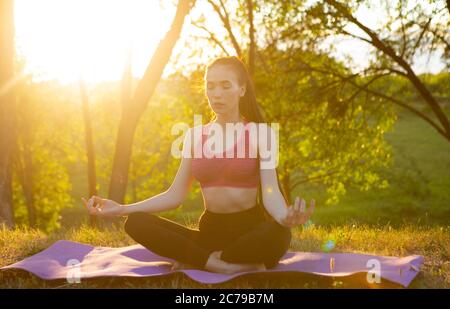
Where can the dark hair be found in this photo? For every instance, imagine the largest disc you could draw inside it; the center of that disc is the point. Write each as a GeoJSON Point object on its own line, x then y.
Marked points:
{"type": "Point", "coordinates": [248, 106]}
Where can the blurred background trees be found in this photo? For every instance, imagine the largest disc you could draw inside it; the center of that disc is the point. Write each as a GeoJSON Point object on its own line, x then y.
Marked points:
{"type": "Point", "coordinates": [334, 116]}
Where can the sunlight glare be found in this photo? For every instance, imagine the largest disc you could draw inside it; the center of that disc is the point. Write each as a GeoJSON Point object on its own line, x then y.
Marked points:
{"type": "Point", "coordinates": [66, 39]}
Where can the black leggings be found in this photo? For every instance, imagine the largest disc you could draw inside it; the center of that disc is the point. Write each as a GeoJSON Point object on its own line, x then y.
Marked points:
{"type": "Point", "coordinates": [248, 236]}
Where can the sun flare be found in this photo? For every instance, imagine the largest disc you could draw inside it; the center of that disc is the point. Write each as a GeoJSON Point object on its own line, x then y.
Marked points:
{"type": "Point", "coordinates": [64, 40]}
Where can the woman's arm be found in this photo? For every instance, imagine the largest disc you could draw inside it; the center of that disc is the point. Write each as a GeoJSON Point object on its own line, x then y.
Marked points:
{"type": "Point", "coordinates": [169, 199]}
{"type": "Point", "coordinates": [273, 200]}
{"type": "Point", "coordinates": [176, 194]}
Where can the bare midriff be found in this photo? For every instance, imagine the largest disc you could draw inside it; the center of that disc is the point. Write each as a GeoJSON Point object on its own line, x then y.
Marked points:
{"type": "Point", "coordinates": [228, 199]}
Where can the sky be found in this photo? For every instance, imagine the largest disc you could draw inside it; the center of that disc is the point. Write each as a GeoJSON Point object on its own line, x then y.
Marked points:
{"type": "Point", "coordinates": [69, 39]}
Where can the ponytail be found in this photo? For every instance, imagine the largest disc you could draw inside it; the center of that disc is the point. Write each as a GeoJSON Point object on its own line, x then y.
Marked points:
{"type": "Point", "coordinates": [248, 106]}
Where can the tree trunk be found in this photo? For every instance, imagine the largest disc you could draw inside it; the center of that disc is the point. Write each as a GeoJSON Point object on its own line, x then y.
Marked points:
{"type": "Point", "coordinates": [6, 110]}
{"type": "Point", "coordinates": [132, 112]}
{"type": "Point", "coordinates": [23, 160]}
{"type": "Point", "coordinates": [90, 151]}
{"type": "Point", "coordinates": [28, 186]}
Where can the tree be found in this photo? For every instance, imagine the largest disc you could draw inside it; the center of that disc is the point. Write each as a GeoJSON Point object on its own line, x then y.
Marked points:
{"type": "Point", "coordinates": [44, 150]}
{"type": "Point", "coordinates": [23, 154]}
{"type": "Point", "coordinates": [7, 102]}
{"type": "Point", "coordinates": [331, 132]}
{"type": "Point", "coordinates": [90, 152]}
{"type": "Point", "coordinates": [132, 109]}
{"type": "Point", "coordinates": [410, 28]}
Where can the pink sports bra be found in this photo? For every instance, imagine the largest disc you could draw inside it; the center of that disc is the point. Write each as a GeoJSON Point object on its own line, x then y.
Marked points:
{"type": "Point", "coordinates": [233, 171]}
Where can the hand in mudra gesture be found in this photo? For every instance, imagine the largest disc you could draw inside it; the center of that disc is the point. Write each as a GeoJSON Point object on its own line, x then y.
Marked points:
{"type": "Point", "coordinates": [297, 214]}
{"type": "Point", "coordinates": [98, 206]}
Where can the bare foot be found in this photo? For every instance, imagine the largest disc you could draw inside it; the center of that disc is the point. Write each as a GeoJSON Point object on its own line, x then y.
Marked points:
{"type": "Point", "coordinates": [178, 266]}
{"type": "Point", "coordinates": [216, 264]}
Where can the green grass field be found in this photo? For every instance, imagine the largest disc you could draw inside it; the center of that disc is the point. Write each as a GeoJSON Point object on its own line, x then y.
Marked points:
{"type": "Point", "coordinates": [409, 217]}
{"type": "Point", "coordinates": [419, 190]}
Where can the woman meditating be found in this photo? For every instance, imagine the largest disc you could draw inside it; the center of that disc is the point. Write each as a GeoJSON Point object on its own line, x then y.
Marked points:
{"type": "Point", "coordinates": [246, 223]}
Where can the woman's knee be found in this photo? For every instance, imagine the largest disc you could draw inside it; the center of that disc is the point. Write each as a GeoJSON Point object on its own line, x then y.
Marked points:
{"type": "Point", "coordinates": [280, 233]}
{"type": "Point", "coordinates": [136, 221]}
{"type": "Point", "coordinates": [279, 238]}
{"type": "Point", "coordinates": [279, 242]}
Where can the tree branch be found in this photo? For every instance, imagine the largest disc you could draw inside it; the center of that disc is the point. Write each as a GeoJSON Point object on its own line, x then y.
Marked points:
{"type": "Point", "coordinates": [211, 36]}
{"type": "Point", "coordinates": [226, 22]}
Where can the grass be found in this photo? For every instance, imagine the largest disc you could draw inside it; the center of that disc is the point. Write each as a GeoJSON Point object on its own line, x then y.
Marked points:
{"type": "Point", "coordinates": [411, 216]}
{"type": "Point", "coordinates": [431, 242]}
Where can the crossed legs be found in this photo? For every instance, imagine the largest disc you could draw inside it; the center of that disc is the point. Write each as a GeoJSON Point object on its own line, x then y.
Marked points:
{"type": "Point", "coordinates": [262, 246]}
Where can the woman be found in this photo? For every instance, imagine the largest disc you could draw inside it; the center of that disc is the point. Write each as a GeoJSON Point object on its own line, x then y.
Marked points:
{"type": "Point", "coordinates": [239, 229]}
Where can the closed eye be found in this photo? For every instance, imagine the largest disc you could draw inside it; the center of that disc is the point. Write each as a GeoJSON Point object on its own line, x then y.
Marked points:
{"type": "Point", "coordinates": [225, 85]}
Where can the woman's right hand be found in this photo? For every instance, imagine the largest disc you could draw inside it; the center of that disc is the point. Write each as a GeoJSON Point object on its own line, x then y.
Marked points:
{"type": "Point", "coordinates": [98, 206]}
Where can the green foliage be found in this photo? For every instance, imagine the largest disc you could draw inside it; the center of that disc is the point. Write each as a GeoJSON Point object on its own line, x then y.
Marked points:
{"type": "Point", "coordinates": [329, 132]}
{"type": "Point", "coordinates": [153, 167]}
{"type": "Point", "coordinates": [333, 135]}
{"type": "Point", "coordinates": [325, 138]}
{"type": "Point", "coordinates": [45, 133]}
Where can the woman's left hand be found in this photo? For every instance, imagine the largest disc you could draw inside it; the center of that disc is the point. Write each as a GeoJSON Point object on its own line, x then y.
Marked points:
{"type": "Point", "coordinates": [98, 206]}
{"type": "Point", "coordinates": [297, 214]}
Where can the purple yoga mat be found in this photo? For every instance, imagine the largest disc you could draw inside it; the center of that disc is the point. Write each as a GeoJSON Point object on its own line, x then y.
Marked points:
{"type": "Point", "coordinates": [64, 258]}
